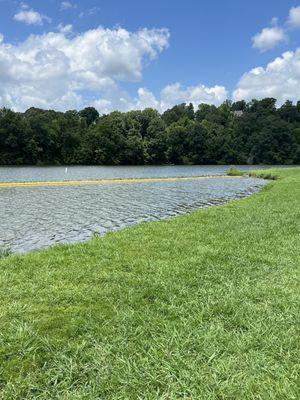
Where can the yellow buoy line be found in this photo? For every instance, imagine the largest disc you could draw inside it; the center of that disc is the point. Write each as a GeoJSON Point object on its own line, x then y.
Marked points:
{"type": "Point", "coordinates": [107, 181]}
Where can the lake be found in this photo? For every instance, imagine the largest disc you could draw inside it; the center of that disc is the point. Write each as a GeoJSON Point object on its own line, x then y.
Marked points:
{"type": "Point", "coordinates": [33, 218]}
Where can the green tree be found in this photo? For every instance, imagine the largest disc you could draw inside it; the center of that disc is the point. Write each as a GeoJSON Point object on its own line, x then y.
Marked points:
{"type": "Point", "coordinates": [155, 143]}
{"type": "Point", "coordinates": [90, 115]}
{"type": "Point", "coordinates": [274, 143]}
{"type": "Point", "coordinates": [178, 112]}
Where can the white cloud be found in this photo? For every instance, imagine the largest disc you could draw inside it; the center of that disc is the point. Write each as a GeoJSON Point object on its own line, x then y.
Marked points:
{"type": "Point", "coordinates": [67, 5]}
{"type": "Point", "coordinates": [56, 70]}
{"type": "Point", "coordinates": [272, 36]}
{"type": "Point", "coordinates": [294, 17]}
{"type": "Point", "coordinates": [269, 38]}
{"type": "Point", "coordinates": [30, 17]}
{"type": "Point", "coordinates": [280, 79]}
{"type": "Point", "coordinates": [146, 99]}
{"type": "Point", "coordinates": [65, 28]}
{"type": "Point", "coordinates": [169, 97]}
{"type": "Point", "coordinates": [104, 106]}
{"type": "Point", "coordinates": [175, 94]}
{"type": "Point", "coordinates": [89, 12]}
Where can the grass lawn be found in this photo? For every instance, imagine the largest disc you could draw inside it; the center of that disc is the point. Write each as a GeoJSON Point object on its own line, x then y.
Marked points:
{"type": "Point", "coordinates": [202, 306]}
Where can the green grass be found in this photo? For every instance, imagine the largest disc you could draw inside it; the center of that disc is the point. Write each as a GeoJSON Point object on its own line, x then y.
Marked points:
{"type": "Point", "coordinates": [202, 306]}
{"type": "Point", "coordinates": [271, 174]}
{"type": "Point", "coordinates": [4, 252]}
{"type": "Point", "coordinates": [233, 171]}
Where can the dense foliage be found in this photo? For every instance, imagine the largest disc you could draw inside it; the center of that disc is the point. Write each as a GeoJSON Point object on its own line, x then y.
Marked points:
{"type": "Point", "coordinates": [239, 133]}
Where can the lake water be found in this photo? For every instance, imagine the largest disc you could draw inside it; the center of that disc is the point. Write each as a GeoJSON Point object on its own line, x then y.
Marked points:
{"type": "Point", "coordinates": [32, 218]}
{"type": "Point", "coordinates": [25, 174]}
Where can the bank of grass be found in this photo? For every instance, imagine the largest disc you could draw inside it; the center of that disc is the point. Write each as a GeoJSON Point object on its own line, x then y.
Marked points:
{"type": "Point", "coordinates": [202, 306]}
{"type": "Point", "coordinates": [269, 173]}
{"type": "Point", "coordinates": [233, 171]}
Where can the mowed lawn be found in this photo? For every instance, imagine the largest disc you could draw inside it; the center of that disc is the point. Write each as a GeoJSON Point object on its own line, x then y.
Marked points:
{"type": "Point", "coordinates": [202, 306]}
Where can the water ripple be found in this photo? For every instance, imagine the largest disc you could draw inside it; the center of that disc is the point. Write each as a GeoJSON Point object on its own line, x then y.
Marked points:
{"type": "Point", "coordinates": [35, 218]}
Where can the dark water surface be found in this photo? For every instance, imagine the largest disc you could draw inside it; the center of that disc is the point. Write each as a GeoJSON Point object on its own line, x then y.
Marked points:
{"type": "Point", "coordinates": [32, 218]}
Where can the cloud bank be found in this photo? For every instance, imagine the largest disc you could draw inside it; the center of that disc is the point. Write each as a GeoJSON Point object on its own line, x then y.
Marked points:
{"type": "Point", "coordinates": [279, 79]}
{"type": "Point", "coordinates": [62, 70]}
{"type": "Point", "coordinates": [54, 69]}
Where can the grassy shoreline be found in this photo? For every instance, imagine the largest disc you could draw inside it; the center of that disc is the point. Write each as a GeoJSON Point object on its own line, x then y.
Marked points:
{"type": "Point", "coordinates": [202, 306]}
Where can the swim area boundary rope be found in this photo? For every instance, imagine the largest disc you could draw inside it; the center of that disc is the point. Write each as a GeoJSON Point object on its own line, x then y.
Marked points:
{"type": "Point", "coordinates": [109, 181]}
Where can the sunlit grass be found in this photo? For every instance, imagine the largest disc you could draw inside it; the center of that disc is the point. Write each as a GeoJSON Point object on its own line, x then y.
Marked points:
{"type": "Point", "coordinates": [202, 306]}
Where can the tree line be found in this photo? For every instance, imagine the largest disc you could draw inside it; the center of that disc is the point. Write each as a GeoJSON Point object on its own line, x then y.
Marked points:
{"type": "Point", "coordinates": [256, 132]}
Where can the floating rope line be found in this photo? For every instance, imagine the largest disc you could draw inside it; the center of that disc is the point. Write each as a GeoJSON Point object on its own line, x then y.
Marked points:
{"type": "Point", "coordinates": [109, 181]}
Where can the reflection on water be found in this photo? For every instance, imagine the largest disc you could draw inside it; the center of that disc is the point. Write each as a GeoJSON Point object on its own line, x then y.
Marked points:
{"type": "Point", "coordinates": [34, 218]}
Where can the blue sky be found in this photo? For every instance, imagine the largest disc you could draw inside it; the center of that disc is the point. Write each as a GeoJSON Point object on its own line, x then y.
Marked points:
{"type": "Point", "coordinates": [197, 45]}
